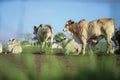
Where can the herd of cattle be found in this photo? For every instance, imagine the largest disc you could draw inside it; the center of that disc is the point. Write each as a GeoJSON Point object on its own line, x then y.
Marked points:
{"type": "Point", "coordinates": [86, 33]}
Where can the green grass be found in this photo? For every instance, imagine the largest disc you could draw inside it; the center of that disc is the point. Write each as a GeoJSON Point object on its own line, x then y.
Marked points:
{"type": "Point", "coordinates": [29, 66]}
{"type": "Point", "coordinates": [30, 49]}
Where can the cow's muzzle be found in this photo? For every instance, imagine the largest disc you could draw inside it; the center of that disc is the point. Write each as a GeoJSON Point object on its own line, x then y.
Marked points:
{"type": "Point", "coordinates": [64, 30]}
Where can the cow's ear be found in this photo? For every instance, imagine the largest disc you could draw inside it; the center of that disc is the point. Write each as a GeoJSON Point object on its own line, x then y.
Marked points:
{"type": "Point", "coordinates": [35, 27]}
{"type": "Point", "coordinates": [13, 39]}
{"type": "Point", "coordinates": [71, 21]}
{"type": "Point", "coordinates": [40, 25]}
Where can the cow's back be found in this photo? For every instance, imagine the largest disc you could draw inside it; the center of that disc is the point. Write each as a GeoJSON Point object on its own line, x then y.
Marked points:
{"type": "Point", "coordinates": [102, 26]}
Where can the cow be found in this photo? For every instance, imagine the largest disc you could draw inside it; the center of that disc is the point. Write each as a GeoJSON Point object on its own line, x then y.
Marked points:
{"type": "Point", "coordinates": [71, 47]}
{"type": "Point", "coordinates": [84, 32]}
{"type": "Point", "coordinates": [14, 46]}
{"type": "Point", "coordinates": [116, 39]}
{"type": "Point", "coordinates": [56, 45]}
{"type": "Point", "coordinates": [43, 33]}
{"type": "Point", "coordinates": [0, 47]}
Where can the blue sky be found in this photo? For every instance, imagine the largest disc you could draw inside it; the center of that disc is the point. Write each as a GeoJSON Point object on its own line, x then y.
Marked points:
{"type": "Point", "coordinates": [17, 17]}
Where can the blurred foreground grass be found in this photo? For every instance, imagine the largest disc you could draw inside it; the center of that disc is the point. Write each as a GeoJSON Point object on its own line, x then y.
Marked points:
{"type": "Point", "coordinates": [28, 66]}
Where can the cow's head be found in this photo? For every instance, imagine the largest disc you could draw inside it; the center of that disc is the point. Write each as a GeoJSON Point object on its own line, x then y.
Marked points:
{"type": "Point", "coordinates": [45, 28]}
{"type": "Point", "coordinates": [36, 29]}
{"type": "Point", "coordinates": [11, 44]}
{"type": "Point", "coordinates": [68, 26]}
{"type": "Point", "coordinates": [11, 41]}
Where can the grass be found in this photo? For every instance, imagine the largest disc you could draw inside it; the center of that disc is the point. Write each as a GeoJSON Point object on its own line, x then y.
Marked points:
{"type": "Point", "coordinates": [29, 66]}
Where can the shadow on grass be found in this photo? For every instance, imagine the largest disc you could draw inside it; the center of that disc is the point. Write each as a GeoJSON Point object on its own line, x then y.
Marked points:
{"type": "Point", "coordinates": [43, 53]}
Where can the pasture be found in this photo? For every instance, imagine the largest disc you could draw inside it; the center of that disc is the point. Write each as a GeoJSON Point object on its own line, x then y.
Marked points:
{"type": "Point", "coordinates": [30, 65]}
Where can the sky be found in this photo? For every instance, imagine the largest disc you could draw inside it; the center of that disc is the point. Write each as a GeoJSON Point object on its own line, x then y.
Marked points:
{"type": "Point", "coordinates": [20, 16]}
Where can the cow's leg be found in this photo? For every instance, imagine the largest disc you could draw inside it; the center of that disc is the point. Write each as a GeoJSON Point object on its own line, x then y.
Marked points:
{"type": "Point", "coordinates": [78, 50]}
{"type": "Point", "coordinates": [51, 41]}
{"type": "Point", "coordinates": [41, 48]}
{"type": "Point", "coordinates": [109, 45]}
{"type": "Point", "coordinates": [90, 46]}
{"type": "Point", "coordinates": [94, 44]}
{"type": "Point", "coordinates": [83, 46]}
{"type": "Point", "coordinates": [43, 45]}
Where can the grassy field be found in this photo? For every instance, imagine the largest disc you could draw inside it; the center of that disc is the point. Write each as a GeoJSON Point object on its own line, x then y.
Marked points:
{"type": "Point", "coordinates": [30, 65]}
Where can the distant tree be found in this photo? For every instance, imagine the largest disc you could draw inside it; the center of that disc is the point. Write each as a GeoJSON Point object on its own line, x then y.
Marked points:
{"type": "Point", "coordinates": [25, 36]}
{"type": "Point", "coordinates": [60, 37]}
{"type": "Point", "coordinates": [28, 36]}
{"type": "Point", "coordinates": [25, 42]}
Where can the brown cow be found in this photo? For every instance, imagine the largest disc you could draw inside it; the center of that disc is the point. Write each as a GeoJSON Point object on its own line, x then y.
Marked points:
{"type": "Point", "coordinates": [84, 32]}
{"type": "Point", "coordinates": [43, 33]}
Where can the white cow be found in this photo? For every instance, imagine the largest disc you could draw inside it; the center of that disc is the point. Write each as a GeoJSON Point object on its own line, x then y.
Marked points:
{"type": "Point", "coordinates": [72, 47]}
{"type": "Point", "coordinates": [56, 45]}
{"type": "Point", "coordinates": [0, 47]}
{"type": "Point", "coordinates": [14, 46]}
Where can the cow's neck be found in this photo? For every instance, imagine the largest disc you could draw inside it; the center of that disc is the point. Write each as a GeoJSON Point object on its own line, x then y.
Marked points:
{"type": "Point", "coordinates": [77, 38]}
